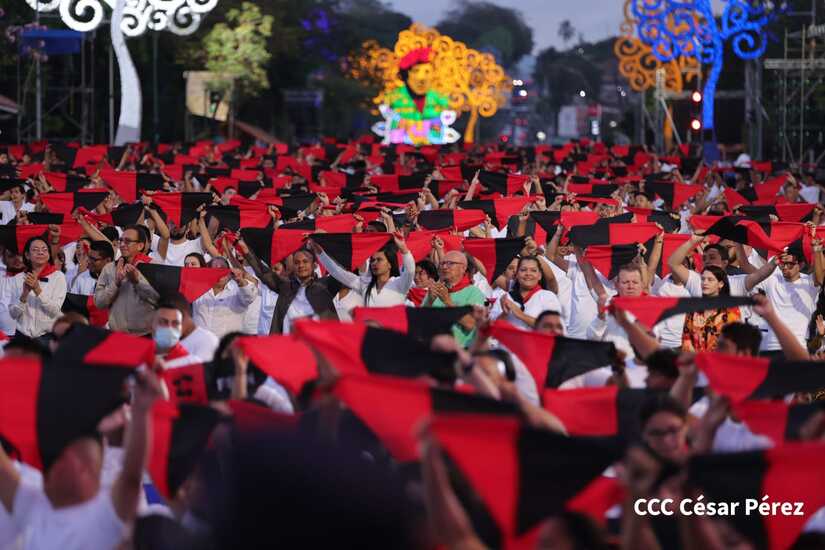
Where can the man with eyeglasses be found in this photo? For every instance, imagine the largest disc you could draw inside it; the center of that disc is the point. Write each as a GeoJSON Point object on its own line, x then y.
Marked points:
{"type": "Point", "coordinates": [121, 288]}
{"type": "Point", "coordinates": [454, 290]}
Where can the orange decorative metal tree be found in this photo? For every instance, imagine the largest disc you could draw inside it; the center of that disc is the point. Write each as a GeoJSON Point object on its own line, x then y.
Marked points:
{"type": "Point", "coordinates": [426, 82]}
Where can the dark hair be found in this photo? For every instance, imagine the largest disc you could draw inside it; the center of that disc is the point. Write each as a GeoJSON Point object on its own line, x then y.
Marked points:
{"type": "Point", "coordinates": [663, 361]}
{"type": "Point", "coordinates": [198, 256]}
{"type": "Point", "coordinates": [176, 301]}
{"type": "Point", "coordinates": [27, 345]}
{"type": "Point", "coordinates": [661, 402]}
{"type": "Point", "coordinates": [546, 313]}
{"type": "Point", "coordinates": [390, 250]}
{"type": "Point", "coordinates": [723, 252]}
{"type": "Point", "coordinates": [744, 336]}
{"type": "Point", "coordinates": [308, 252]}
{"type": "Point", "coordinates": [515, 293]}
{"type": "Point", "coordinates": [104, 249]}
{"type": "Point", "coordinates": [429, 268]}
{"type": "Point", "coordinates": [586, 533]}
{"type": "Point", "coordinates": [143, 235]}
{"type": "Point", "coordinates": [110, 232]}
{"type": "Point", "coordinates": [28, 246]}
{"type": "Point", "coordinates": [720, 276]}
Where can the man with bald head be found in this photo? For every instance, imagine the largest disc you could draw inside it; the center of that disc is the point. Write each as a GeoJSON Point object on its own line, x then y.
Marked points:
{"type": "Point", "coordinates": [455, 289]}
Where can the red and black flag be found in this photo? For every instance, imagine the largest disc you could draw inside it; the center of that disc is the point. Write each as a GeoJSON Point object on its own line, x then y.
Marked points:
{"type": "Point", "coordinates": [394, 183]}
{"type": "Point", "coordinates": [44, 218]}
{"type": "Point", "coordinates": [356, 348]}
{"type": "Point", "coordinates": [674, 194]}
{"type": "Point", "coordinates": [14, 237]}
{"type": "Point", "coordinates": [66, 203]}
{"type": "Point", "coordinates": [651, 310]}
{"type": "Point", "coordinates": [392, 407]}
{"type": "Point", "coordinates": [459, 220]}
{"type": "Point", "coordinates": [776, 419]}
{"type": "Point", "coordinates": [123, 215]}
{"type": "Point", "coordinates": [494, 254]}
{"type": "Point", "coordinates": [85, 305]}
{"type": "Point", "coordinates": [191, 282]}
{"type": "Point", "coordinates": [765, 191]}
{"type": "Point", "coordinates": [190, 383]}
{"type": "Point", "coordinates": [100, 347]}
{"type": "Point", "coordinates": [421, 323]}
{"type": "Point", "coordinates": [609, 259]}
{"type": "Point", "coordinates": [740, 230]}
{"type": "Point", "coordinates": [351, 250]}
{"type": "Point", "coordinates": [233, 217]}
{"type": "Point", "coordinates": [505, 184]}
{"type": "Point", "coordinates": [181, 208]}
{"type": "Point", "coordinates": [287, 360]}
{"type": "Point", "coordinates": [273, 245]}
{"type": "Point", "coordinates": [741, 378]}
{"type": "Point", "coordinates": [339, 223]}
{"type": "Point", "coordinates": [598, 190]}
{"type": "Point", "coordinates": [553, 360]}
{"type": "Point", "coordinates": [46, 406]}
{"type": "Point", "coordinates": [791, 474]}
{"type": "Point", "coordinates": [789, 212]}
{"type": "Point", "coordinates": [499, 210]}
{"type": "Point", "coordinates": [604, 233]}
{"type": "Point", "coordinates": [128, 184]}
{"type": "Point", "coordinates": [671, 242]}
{"type": "Point", "coordinates": [602, 411]}
{"type": "Point", "coordinates": [66, 183]}
{"type": "Point", "coordinates": [522, 475]}
{"type": "Point", "coordinates": [179, 437]}
{"type": "Point", "coordinates": [669, 222]}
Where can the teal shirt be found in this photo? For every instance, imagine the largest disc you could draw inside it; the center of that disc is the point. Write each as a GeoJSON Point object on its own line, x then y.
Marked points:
{"type": "Point", "coordinates": [468, 296]}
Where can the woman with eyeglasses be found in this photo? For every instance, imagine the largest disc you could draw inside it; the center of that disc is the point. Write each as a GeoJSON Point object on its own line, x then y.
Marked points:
{"type": "Point", "coordinates": [385, 285]}
{"type": "Point", "coordinates": [40, 289]}
{"type": "Point", "coordinates": [528, 296]}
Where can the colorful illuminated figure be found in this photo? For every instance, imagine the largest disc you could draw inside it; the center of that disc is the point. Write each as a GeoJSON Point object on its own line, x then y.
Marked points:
{"type": "Point", "coordinates": [416, 114]}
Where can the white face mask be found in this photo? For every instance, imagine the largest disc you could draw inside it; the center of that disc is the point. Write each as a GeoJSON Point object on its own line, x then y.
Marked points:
{"type": "Point", "coordinates": [166, 337]}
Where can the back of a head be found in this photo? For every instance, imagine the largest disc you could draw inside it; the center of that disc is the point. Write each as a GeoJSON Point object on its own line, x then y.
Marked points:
{"type": "Point", "coordinates": [663, 361]}
{"type": "Point", "coordinates": [104, 249]}
{"type": "Point", "coordinates": [746, 337]}
{"type": "Point", "coordinates": [289, 491]}
{"type": "Point", "coordinates": [176, 301]}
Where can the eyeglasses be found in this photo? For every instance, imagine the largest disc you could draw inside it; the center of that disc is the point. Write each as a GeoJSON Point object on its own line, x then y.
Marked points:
{"type": "Point", "coordinates": [448, 263]}
{"type": "Point", "coordinates": [124, 240]}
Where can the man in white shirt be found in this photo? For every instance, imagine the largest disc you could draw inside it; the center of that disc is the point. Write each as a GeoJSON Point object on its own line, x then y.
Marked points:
{"type": "Point", "coordinates": [221, 309]}
{"type": "Point", "coordinates": [196, 340]}
{"type": "Point", "coordinates": [793, 295]}
{"type": "Point", "coordinates": [71, 511]}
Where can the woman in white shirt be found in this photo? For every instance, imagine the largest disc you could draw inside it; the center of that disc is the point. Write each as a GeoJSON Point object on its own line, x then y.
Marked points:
{"type": "Point", "coordinates": [39, 291]}
{"type": "Point", "coordinates": [528, 297]}
{"type": "Point", "coordinates": [384, 286]}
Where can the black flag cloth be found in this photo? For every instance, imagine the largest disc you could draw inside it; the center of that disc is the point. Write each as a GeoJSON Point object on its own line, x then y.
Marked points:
{"type": "Point", "coordinates": [421, 323]}
{"type": "Point", "coordinates": [191, 282]}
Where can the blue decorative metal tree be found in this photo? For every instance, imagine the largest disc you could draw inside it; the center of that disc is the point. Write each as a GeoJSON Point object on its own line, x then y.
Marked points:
{"type": "Point", "coordinates": [673, 28]}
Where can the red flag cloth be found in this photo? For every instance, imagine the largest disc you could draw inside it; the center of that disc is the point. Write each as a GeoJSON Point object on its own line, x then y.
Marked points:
{"type": "Point", "coordinates": [287, 360]}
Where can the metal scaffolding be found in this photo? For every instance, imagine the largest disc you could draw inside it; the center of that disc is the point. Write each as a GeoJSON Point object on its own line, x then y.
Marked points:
{"type": "Point", "coordinates": [800, 82]}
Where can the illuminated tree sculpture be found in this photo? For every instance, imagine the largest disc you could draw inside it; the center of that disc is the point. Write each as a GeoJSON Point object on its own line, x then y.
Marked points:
{"type": "Point", "coordinates": [425, 82]}
{"type": "Point", "coordinates": [676, 28]}
{"type": "Point", "coordinates": [639, 66]}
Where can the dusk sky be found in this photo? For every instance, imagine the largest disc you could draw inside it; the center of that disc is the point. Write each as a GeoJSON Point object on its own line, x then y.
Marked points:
{"type": "Point", "coordinates": [595, 19]}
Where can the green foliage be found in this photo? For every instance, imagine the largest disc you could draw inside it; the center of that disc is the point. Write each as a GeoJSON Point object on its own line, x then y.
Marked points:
{"type": "Point", "coordinates": [561, 74]}
{"type": "Point", "coordinates": [238, 49]}
{"type": "Point", "coordinates": [486, 26]}
{"type": "Point", "coordinates": [566, 31]}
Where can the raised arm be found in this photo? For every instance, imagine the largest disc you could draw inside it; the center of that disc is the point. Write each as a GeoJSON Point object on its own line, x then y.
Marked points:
{"type": "Point", "coordinates": [793, 349]}
{"type": "Point", "coordinates": [127, 486]}
{"type": "Point", "coordinates": [655, 256]}
{"type": "Point", "coordinates": [760, 274]}
{"type": "Point", "coordinates": [206, 238]}
{"type": "Point", "coordinates": [676, 260]}
{"type": "Point", "coordinates": [9, 481]}
{"type": "Point", "coordinates": [160, 227]}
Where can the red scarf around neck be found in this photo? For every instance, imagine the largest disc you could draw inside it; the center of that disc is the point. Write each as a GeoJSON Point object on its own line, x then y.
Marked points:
{"type": "Point", "coordinates": [517, 296]}
{"type": "Point", "coordinates": [417, 295]}
{"type": "Point", "coordinates": [47, 270]}
{"type": "Point", "coordinates": [461, 285]}
{"type": "Point", "coordinates": [141, 258]}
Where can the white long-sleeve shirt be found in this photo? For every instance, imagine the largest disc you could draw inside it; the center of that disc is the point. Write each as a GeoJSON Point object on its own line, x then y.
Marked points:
{"type": "Point", "coordinates": [393, 293]}
{"type": "Point", "coordinates": [223, 313]}
{"type": "Point", "coordinates": [37, 314]}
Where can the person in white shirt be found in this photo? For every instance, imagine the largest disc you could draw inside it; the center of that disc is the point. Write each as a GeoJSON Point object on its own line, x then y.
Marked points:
{"type": "Point", "coordinates": [221, 309]}
{"type": "Point", "coordinates": [72, 510]}
{"type": "Point", "coordinates": [12, 203]}
{"type": "Point", "coordinates": [385, 285]}
{"type": "Point", "coordinates": [176, 243]}
{"type": "Point", "coordinates": [13, 264]}
{"type": "Point", "coordinates": [629, 282]}
{"type": "Point", "coordinates": [196, 340]}
{"type": "Point", "coordinates": [793, 295]}
{"type": "Point", "coordinates": [40, 290]}
{"type": "Point", "coordinates": [528, 297]}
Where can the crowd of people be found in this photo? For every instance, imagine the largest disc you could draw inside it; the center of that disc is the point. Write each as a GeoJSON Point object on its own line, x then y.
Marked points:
{"type": "Point", "coordinates": [265, 246]}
